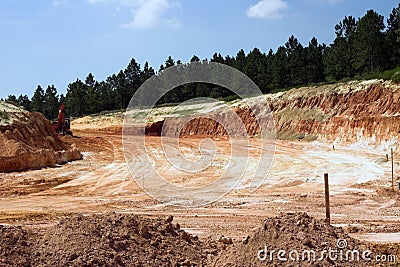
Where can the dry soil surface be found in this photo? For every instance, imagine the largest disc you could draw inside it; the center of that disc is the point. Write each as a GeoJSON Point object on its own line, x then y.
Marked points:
{"type": "Point", "coordinates": [45, 202]}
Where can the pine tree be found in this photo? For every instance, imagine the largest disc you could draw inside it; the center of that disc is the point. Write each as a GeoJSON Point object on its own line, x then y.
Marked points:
{"type": "Point", "coordinates": [50, 108]}
{"type": "Point", "coordinates": [393, 36]}
{"type": "Point", "coordinates": [37, 102]}
{"type": "Point", "coordinates": [93, 96]}
{"type": "Point", "coordinates": [314, 66]}
{"type": "Point", "coordinates": [369, 43]}
{"type": "Point", "coordinates": [12, 98]}
{"type": "Point", "coordinates": [195, 59]}
{"type": "Point", "coordinates": [339, 59]}
{"type": "Point", "coordinates": [240, 60]}
{"type": "Point", "coordinates": [76, 98]}
{"type": "Point", "coordinates": [280, 69]}
{"type": "Point", "coordinates": [23, 100]}
{"type": "Point", "coordinates": [169, 62]}
{"type": "Point", "coordinates": [295, 61]}
{"type": "Point", "coordinates": [134, 79]}
{"type": "Point", "coordinates": [217, 58]}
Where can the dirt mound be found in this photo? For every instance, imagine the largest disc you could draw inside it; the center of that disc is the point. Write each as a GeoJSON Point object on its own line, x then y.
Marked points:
{"type": "Point", "coordinates": [103, 240]}
{"type": "Point", "coordinates": [15, 247]}
{"type": "Point", "coordinates": [128, 240]}
{"type": "Point", "coordinates": [295, 234]}
{"type": "Point", "coordinates": [29, 141]}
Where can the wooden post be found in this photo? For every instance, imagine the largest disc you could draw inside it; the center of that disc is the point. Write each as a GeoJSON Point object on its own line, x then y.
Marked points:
{"type": "Point", "coordinates": [391, 151]}
{"type": "Point", "coordinates": [327, 208]}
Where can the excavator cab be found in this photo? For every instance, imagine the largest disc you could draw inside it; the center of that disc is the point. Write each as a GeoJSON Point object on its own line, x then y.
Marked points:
{"type": "Point", "coordinates": [67, 126]}
{"type": "Point", "coordinates": [63, 124]}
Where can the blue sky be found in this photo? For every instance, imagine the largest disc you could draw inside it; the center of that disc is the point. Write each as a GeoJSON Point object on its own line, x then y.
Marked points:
{"type": "Point", "coordinates": [57, 41]}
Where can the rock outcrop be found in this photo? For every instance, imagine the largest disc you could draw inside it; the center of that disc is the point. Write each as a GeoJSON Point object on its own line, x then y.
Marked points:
{"type": "Point", "coordinates": [30, 142]}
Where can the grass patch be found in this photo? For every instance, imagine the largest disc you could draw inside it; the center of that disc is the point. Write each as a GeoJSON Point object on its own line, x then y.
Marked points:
{"type": "Point", "coordinates": [310, 137]}
{"type": "Point", "coordinates": [289, 135]}
{"type": "Point", "coordinates": [230, 98]}
{"type": "Point", "coordinates": [4, 115]}
{"type": "Point", "coordinates": [138, 115]}
{"type": "Point", "coordinates": [296, 114]}
{"type": "Point", "coordinates": [185, 112]}
{"type": "Point", "coordinates": [393, 74]}
{"type": "Point", "coordinates": [295, 136]}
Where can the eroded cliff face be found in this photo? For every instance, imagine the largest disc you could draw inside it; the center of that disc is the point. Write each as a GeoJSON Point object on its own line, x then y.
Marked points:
{"type": "Point", "coordinates": [367, 112]}
{"type": "Point", "coordinates": [346, 113]}
{"type": "Point", "coordinates": [29, 141]}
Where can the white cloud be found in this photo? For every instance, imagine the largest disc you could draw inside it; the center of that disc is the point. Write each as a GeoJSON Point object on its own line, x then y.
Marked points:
{"type": "Point", "coordinates": [145, 13]}
{"type": "Point", "coordinates": [99, 1]}
{"type": "Point", "coordinates": [267, 9]}
{"type": "Point", "coordinates": [57, 3]}
{"type": "Point", "coordinates": [329, 2]}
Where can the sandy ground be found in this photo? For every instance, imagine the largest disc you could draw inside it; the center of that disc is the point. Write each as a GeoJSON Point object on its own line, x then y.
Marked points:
{"type": "Point", "coordinates": [361, 199]}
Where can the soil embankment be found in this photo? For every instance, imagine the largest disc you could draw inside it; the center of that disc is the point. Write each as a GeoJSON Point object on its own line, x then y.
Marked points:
{"type": "Point", "coordinates": [27, 140]}
{"type": "Point", "coordinates": [348, 112]}
{"type": "Point", "coordinates": [343, 113]}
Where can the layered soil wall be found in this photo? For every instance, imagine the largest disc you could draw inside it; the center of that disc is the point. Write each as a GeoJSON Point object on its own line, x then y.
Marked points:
{"type": "Point", "coordinates": [30, 142]}
{"type": "Point", "coordinates": [350, 112]}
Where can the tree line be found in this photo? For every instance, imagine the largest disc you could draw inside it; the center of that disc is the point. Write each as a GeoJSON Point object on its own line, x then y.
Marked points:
{"type": "Point", "coordinates": [362, 46]}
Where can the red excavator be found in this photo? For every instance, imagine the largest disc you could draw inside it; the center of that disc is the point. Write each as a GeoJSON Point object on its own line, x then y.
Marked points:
{"type": "Point", "coordinates": [63, 124]}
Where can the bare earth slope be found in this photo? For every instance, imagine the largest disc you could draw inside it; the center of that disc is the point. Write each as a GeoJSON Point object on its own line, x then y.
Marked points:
{"type": "Point", "coordinates": [27, 140]}
{"type": "Point", "coordinates": [348, 112]}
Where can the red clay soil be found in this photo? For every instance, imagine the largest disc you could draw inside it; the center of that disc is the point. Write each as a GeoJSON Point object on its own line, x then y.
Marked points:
{"type": "Point", "coordinates": [31, 142]}
{"type": "Point", "coordinates": [104, 240]}
{"type": "Point", "coordinates": [129, 240]}
{"type": "Point", "coordinates": [327, 111]}
{"type": "Point", "coordinates": [200, 125]}
{"type": "Point", "coordinates": [300, 233]}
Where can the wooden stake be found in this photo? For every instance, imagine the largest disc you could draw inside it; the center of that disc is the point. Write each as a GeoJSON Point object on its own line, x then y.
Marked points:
{"type": "Point", "coordinates": [391, 151]}
{"type": "Point", "coordinates": [327, 208]}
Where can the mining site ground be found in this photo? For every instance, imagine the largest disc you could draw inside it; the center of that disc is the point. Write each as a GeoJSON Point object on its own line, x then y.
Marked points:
{"type": "Point", "coordinates": [362, 200]}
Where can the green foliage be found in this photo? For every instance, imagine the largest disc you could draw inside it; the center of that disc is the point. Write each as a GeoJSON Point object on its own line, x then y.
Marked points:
{"type": "Point", "coordinates": [37, 102]}
{"type": "Point", "coordinates": [50, 106]}
{"type": "Point", "coordinates": [23, 101]}
{"type": "Point", "coordinates": [12, 98]}
{"type": "Point", "coordinates": [393, 36]}
{"type": "Point", "coordinates": [4, 116]}
{"type": "Point", "coordinates": [369, 43]}
{"type": "Point", "coordinates": [392, 74]}
{"type": "Point", "coordinates": [230, 98]}
{"type": "Point", "coordinates": [362, 49]}
{"type": "Point", "coordinates": [396, 77]}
